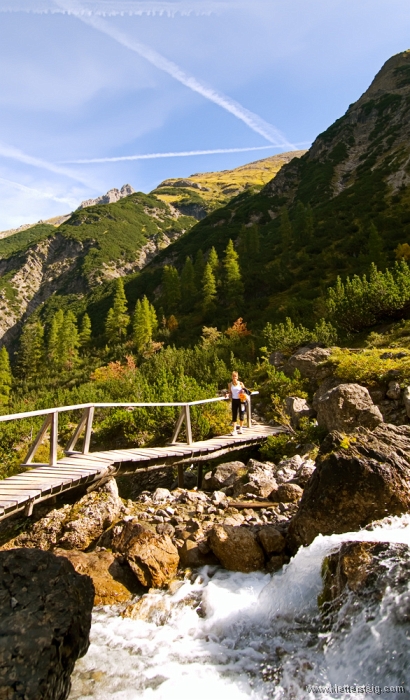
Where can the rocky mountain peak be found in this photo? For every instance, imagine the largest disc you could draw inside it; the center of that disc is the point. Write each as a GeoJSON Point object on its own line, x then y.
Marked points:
{"type": "Point", "coordinates": [112, 196]}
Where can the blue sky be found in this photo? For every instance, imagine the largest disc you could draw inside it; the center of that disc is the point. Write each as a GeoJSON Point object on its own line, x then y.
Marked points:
{"type": "Point", "coordinates": [96, 80]}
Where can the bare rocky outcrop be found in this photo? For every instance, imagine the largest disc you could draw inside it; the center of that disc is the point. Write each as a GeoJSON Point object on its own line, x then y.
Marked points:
{"type": "Point", "coordinates": [357, 479]}
{"type": "Point", "coordinates": [112, 196]}
{"type": "Point", "coordinates": [310, 362]}
{"type": "Point", "coordinates": [45, 620]}
{"type": "Point", "coordinates": [347, 406]}
{"type": "Point", "coordinates": [237, 548]}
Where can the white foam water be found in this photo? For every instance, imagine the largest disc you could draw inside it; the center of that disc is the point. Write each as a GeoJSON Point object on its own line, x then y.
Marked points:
{"type": "Point", "coordinates": [232, 636]}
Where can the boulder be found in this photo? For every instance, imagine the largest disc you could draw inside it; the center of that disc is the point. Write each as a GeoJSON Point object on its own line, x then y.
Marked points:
{"type": "Point", "coordinates": [260, 480]}
{"type": "Point", "coordinates": [153, 558]}
{"type": "Point", "coordinates": [161, 495]}
{"type": "Point", "coordinates": [224, 475]}
{"type": "Point", "coordinates": [91, 516]}
{"type": "Point", "coordinates": [287, 468]}
{"type": "Point", "coordinates": [277, 359]}
{"type": "Point", "coordinates": [113, 579]}
{"type": "Point", "coordinates": [271, 540]}
{"type": "Point", "coordinates": [304, 473]}
{"type": "Point", "coordinates": [298, 408]}
{"type": "Point", "coordinates": [287, 493]}
{"type": "Point", "coordinates": [45, 620]}
{"type": "Point", "coordinates": [347, 406]}
{"type": "Point", "coordinates": [310, 362]}
{"type": "Point", "coordinates": [394, 390]}
{"type": "Point", "coordinates": [406, 400]}
{"type": "Point", "coordinates": [194, 554]}
{"type": "Point", "coordinates": [236, 548]}
{"type": "Point", "coordinates": [358, 479]}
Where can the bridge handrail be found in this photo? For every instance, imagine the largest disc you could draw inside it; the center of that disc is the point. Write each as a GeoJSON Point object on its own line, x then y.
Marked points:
{"type": "Point", "coordinates": [61, 409]}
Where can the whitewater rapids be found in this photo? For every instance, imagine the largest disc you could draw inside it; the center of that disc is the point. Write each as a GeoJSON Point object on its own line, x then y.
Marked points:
{"type": "Point", "coordinates": [231, 636]}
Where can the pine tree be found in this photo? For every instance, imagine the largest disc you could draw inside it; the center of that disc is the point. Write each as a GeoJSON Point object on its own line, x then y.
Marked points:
{"type": "Point", "coordinates": [70, 341]}
{"type": "Point", "coordinates": [209, 289]}
{"type": "Point", "coordinates": [188, 286]}
{"type": "Point", "coordinates": [85, 331]}
{"type": "Point", "coordinates": [6, 377]}
{"type": "Point", "coordinates": [213, 260]}
{"type": "Point", "coordinates": [309, 224]}
{"type": "Point", "coordinates": [199, 268]}
{"type": "Point", "coordinates": [375, 248]}
{"type": "Point", "coordinates": [171, 289]}
{"type": "Point", "coordinates": [31, 354]}
{"type": "Point", "coordinates": [145, 323]}
{"type": "Point", "coordinates": [300, 224]}
{"type": "Point", "coordinates": [117, 319]}
{"type": "Point", "coordinates": [286, 233]}
{"type": "Point", "coordinates": [233, 280]}
{"type": "Point", "coordinates": [248, 247]}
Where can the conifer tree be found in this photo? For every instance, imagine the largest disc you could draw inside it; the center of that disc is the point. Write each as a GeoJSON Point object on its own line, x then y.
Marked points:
{"type": "Point", "coordinates": [213, 260]}
{"type": "Point", "coordinates": [6, 377]}
{"type": "Point", "coordinates": [233, 280]}
{"type": "Point", "coordinates": [117, 318]}
{"type": "Point", "coordinates": [145, 323]}
{"type": "Point", "coordinates": [31, 354]}
{"type": "Point", "coordinates": [171, 289]}
{"type": "Point", "coordinates": [188, 286]}
{"type": "Point", "coordinates": [286, 232]}
{"type": "Point", "coordinates": [70, 341]}
{"type": "Point", "coordinates": [209, 289]}
{"type": "Point", "coordinates": [249, 245]}
{"type": "Point", "coordinates": [199, 268]}
{"type": "Point", "coordinates": [375, 249]}
{"type": "Point", "coordinates": [309, 224]}
{"type": "Point", "coordinates": [85, 331]}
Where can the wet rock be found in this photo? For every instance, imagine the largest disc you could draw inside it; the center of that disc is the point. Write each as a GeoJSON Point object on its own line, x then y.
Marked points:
{"type": "Point", "coordinates": [153, 558]}
{"type": "Point", "coordinates": [394, 390]}
{"type": "Point", "coordinates": [194, 554]}
{"type": "Point", "coordinates": [276, 562]}
{"type": "Point", "coordinates": [365, 569]}
{"type": "Point", "coordinates": [309, 361]}
{"type": "Point", "coordinates": [45, 620]}
{"type": "Point", "coordinates": [236, 548]}
{"type": "Point", "coordinates": [271, 540]}
{"type": "Point", "coordinates": [113, 580]}
{"type": "Point", "coordinates": [298, 408]}
{"type": "Point", "coordinates": [224, 475]}
{"type": "Point", "coordinates": [347, 406]}
{"type": "Point", "coordinates": [357, 479]}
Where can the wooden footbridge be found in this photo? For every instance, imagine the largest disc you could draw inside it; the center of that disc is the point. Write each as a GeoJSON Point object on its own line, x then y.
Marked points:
{"type": "Point", "coordinates": [41, 482]}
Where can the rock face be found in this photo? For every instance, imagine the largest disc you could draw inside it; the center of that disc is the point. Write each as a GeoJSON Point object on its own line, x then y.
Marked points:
{"type": "Point", "coordinates": [45, 619]}
{"type": "Point", "coordinates": [236, 548]}
{"type": "Point", "coordinates": [347, 406]}
{"type": "Point", "coordinates": [298, 408]}
{"type": "Point", "coordinates": [112, 196]}
{"type": "Point", "coordinates": [153, 558]}
{"type": "Point", "coordinates": [357, 479]}
{"type": "Point", "coordinates": [113, 580]}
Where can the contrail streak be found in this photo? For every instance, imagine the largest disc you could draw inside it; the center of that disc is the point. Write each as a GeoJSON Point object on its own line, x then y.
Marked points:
{"type": "Point", "coordinates": [172, 154]}
{"type": "Point", "coordinates": [112, 8]}
{"type": "Point", "coordinates": [253, 121]}
{"type": "Point", "coordinates": [16, 154]}
{"type": "Point", "coordinates": [39, 194]}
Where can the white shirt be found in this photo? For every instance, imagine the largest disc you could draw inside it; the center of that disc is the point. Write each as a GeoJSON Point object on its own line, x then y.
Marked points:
{"type": "Point", "coordinates": [236, 389]}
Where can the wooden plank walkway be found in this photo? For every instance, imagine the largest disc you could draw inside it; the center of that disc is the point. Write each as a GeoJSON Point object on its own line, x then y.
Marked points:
{"type": "Point", "coordinates": [19, 493]}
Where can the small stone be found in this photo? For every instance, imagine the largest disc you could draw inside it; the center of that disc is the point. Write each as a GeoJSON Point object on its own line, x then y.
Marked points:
{"type": "Point", "coordinates": [289, 493]}
{"type": "Point", "coordinates": [162, 495]}
{"type": "Point", "coordinates": [218, 497]}
{"type": "Point", "coordinates": [393, 391]}
{"type": "Point", "coordinates": [165, 529]}
{"type": "Point", "coordinates": [271, 540]}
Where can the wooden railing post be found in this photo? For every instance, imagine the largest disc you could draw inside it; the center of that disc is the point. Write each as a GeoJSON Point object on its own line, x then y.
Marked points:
{"type": "Point", "coordinates": [249, 411]}
{"type": "Point", "coordinates": [188, 424]}
{"type": "Point", "coordinates": [88, 429]}
{"type": "Point", "coordinates": [37, 442]}
{"type": "Point", "coordinates": [53, 439]}
{"type": "Point", "coordinates": [178, 426]}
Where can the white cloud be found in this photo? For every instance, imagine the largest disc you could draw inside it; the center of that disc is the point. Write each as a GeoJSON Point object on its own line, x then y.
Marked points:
{"type": "Point", "coordinates": [17, 155]}
{"type": "Point", "coordinates": [253, 121]}
{"type": "Point", "coordinates": [172, 154]}
{"type": "Point", "coordinates": [38, 194]}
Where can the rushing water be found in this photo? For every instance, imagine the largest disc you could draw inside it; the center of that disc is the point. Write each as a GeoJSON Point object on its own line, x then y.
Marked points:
{"type": "Point", "coordinates": [230, 636]}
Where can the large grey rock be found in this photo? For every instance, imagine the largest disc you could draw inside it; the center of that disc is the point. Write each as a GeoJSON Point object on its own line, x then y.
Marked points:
{"type": "Point", "coordinates": [45, 620]}
{"type": "Point", "coordinates": [310, 362]}
{"type": "Point", "coordinates": [346, 407]}
{"type": "Point", "coordinates": [358, 479]}
{"type": "Point", "coordinates": [236, 548]}
{"type": "Point", "coordinates": [260, 480]}
{"type": "Point", "coordinates": [224, 475]}
{"type": "Point", "coordinates": [298, 408]}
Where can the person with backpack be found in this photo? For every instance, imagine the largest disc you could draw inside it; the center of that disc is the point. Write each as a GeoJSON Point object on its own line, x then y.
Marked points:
{"type": "Point", "coordinates": [237, 394]}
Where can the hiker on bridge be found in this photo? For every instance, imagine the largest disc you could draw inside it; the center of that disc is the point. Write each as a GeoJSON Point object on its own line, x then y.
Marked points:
{"type": "Point", "coordinates": [238, 396]}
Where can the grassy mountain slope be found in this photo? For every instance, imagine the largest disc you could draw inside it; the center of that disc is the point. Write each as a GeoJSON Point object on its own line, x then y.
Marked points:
{"type": "Point", "coordinates": [202, 193]}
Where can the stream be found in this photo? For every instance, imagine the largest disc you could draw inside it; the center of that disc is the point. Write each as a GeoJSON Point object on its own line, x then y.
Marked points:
{"type": "Point", "coordinates": [229, 636]}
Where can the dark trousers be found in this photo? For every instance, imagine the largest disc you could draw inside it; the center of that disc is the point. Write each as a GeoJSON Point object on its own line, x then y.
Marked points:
{"type": "Point", "coordinates": [238, 406]}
